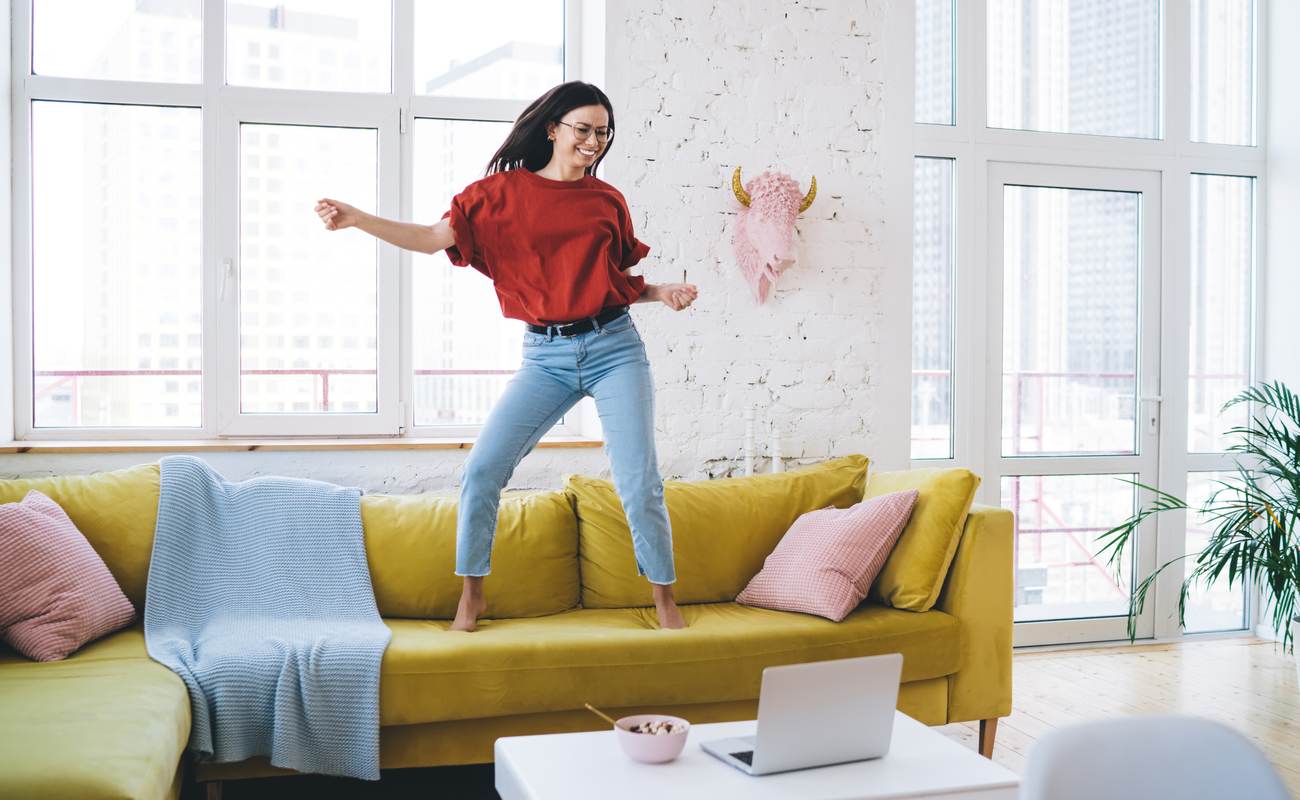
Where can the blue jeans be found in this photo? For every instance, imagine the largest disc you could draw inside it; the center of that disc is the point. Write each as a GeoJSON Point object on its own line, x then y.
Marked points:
{"type": "Point", "coordinates": [608, 363]}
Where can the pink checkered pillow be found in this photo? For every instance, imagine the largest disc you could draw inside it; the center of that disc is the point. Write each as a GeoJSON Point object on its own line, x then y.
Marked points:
{"type": "Point", "coordinates": [826, 562]}
{"type": "Point", "coordinates": [55, 592]}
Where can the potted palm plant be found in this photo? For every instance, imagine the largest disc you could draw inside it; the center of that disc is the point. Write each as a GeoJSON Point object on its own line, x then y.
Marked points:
{"type": "Point", "coordinates": [1254, 515]}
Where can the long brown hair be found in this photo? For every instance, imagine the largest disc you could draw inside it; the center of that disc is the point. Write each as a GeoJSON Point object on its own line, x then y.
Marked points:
{"type": "Point", "coordinates": [528, 147]}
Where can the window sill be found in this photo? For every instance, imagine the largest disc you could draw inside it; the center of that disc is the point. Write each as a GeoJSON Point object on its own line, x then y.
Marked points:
{"type": "Point", "coordinates": [267, 444]}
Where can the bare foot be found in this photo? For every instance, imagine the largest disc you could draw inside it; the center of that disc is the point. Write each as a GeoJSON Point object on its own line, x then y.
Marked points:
{"type": "Point", "coordinates": [670, 616]}
{"type": "Point", "coordinates": [471, 605]}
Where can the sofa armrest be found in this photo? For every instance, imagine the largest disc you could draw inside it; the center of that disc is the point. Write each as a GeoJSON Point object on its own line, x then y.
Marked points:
{"type": "Point", "coordinates": [980, 593]}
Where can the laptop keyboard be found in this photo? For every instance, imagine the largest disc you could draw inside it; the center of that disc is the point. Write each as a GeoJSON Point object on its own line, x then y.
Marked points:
{"type": "Point", "coordinates": [745, 755]}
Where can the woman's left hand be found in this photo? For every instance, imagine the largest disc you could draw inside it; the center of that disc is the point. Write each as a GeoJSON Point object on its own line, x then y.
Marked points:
{"type": "Point", "coordinates": [677, 295]}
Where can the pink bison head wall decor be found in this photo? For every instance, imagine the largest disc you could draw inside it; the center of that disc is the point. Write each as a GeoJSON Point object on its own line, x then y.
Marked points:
{"type": "Point", "coordinates": [763, 240]}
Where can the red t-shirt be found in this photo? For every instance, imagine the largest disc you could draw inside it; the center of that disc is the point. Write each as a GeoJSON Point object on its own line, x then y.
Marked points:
{"type": "Point", "coordinates": [556, 251]}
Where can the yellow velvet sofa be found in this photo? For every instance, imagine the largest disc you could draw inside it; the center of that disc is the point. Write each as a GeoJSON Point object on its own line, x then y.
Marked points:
{"type": "Point", "coordinates": [568, 622]}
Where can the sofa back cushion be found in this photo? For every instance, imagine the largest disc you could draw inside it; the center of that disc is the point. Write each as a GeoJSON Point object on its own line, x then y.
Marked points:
{"type": "Point", "coordinates": [410, 543]}
{"type": "Point", "coordinates": [915, 571]}
{"type": "Point", "coordinates": [722, 529]}
{"type": "Point", "coordinates": [411, 546]}
{"type": "Point", "coordinates": [116, 512]}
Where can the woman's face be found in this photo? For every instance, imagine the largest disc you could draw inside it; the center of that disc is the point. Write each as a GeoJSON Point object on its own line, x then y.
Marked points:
{"type": "Point", "coordinates": [570, 145]}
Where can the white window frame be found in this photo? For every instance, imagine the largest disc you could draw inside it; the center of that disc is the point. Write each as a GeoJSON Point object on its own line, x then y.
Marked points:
{"type": "Point", "coordinates": [976, 442]}
{"type": "Point", "coordinates": [223, 108]}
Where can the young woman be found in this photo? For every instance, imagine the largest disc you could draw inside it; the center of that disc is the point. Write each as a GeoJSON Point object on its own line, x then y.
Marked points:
{"type": "Point", "coordinates": [556, 242]}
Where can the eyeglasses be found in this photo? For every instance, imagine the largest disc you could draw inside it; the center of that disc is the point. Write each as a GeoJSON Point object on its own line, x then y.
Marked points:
{"type": "Point", "coordinates": [603, 135]}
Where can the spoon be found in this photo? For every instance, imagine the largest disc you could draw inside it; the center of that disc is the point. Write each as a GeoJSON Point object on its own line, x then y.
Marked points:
{"type": "Point", "coordinates": [601, 714]}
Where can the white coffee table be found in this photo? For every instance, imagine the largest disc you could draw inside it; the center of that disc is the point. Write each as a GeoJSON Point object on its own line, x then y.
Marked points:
{"type": "Point", "coordinates": [573, 766]}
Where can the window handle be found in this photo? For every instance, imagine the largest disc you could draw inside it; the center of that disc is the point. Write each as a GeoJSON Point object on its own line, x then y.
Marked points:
{"type": "Point", "coordinates": [227, 275]}
{"type": "Point", "coordinates": [1151, 413]}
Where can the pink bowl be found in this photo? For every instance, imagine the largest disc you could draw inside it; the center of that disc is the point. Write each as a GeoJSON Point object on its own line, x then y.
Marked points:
{"type": "Point", "coordinates": [648, 747]}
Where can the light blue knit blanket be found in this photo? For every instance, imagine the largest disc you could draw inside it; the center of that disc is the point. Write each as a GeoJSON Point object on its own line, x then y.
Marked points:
{"type": "Point", "coordinates": [259, 597]}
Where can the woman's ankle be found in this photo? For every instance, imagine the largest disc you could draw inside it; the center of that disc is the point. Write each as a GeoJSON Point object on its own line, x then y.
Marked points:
{"type": "Point", "coordinates": [663, 594]}
{"type": "Point", "coordinates": [471, 592]}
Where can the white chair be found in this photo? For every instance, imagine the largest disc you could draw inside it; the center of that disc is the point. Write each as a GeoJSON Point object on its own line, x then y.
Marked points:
{"type": "Point", "coordinates": [1149, 757]}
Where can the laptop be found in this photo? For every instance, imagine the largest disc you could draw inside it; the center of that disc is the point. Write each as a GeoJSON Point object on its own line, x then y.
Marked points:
{"type": "Point", "coordinates": [812, 715]}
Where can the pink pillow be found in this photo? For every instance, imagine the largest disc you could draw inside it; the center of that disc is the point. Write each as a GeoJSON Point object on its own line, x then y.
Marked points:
{"type": "Point", "coordinates": [55, 592]}
{"type": "Point", "coordinates": [826, 562]}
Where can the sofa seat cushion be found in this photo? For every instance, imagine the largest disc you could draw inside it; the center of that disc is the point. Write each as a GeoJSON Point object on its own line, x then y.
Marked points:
{"type": "Point", "coordinates": [619, 657]}
{"type": "Point", "coordinates": [107, 722]}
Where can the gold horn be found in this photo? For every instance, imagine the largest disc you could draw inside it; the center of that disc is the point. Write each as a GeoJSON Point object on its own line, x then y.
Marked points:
{"type": "Point", "coordinates": [739, 189]}
{"type": "Point", "coordinates": [808, 198]}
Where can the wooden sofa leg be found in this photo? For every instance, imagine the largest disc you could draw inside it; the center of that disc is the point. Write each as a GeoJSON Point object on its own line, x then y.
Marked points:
{"type": "Point", "coordinates": [214, 789]}
{"type": "Point", "coordinates": [988, 732]}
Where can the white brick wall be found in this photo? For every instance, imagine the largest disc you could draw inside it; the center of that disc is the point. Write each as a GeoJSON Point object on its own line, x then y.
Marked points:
{"type": "Point", "coordinates": [698, 88]}
{"type": "Point", "coordinates": [702, 87]}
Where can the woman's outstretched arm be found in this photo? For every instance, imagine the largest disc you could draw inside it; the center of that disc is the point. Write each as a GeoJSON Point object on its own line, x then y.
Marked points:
{"type": "Point", "coordinates": [406, 235]}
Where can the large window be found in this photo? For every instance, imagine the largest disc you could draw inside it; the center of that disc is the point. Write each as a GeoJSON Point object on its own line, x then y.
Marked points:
{"type": "Point", "coordinates": [462, 349]}
{"type": "Point", "coordinates": [1221, 288]}
{"type": "Point", "coordinates": [116, 265]}
{"type": "Point", "coordinates": [1085, 184]}
{"type": "Point", "coordinates": [1074, 66]}
{"type": "Point", "coordinates": [307, 305]}
{"type": "Point", "coordinates": [167, 161]}
{"type": "Point", "coordinates": [934, 251]}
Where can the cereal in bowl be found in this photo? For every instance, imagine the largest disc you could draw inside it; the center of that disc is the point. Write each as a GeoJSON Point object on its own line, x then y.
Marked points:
{"type": "Point", "coordinates": [658, 727]}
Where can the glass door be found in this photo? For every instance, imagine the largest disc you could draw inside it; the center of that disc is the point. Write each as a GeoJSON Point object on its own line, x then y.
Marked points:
{"type": "Point", "coordinates": [1073, 386]}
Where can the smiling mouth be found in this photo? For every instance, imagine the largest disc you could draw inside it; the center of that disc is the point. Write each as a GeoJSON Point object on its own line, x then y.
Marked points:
{"type": "Point", "coordinates": [588, 153]}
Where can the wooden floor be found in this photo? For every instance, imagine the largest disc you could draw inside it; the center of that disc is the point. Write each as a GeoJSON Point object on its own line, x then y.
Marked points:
{"type": "Point", "coordinates": [1247, 683]}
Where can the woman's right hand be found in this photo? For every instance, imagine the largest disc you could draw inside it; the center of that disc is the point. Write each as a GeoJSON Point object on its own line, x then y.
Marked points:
{"type": "Point", "coordinates": [336, 215]}
{"type": "Point", "coordinates": [676, 295]}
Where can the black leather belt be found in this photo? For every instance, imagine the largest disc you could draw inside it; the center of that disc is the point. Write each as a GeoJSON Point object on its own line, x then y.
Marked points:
{"type": "Point", "coordinates": [606, 315]}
